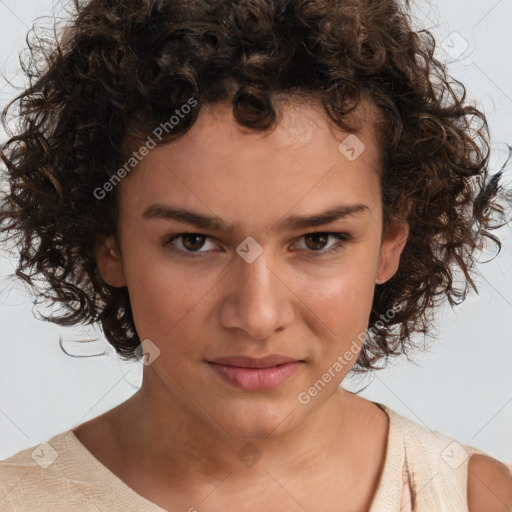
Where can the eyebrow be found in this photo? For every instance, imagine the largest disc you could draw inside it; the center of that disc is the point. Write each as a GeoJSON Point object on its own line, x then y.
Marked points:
{"type": "Point", "coordinates": [160, 211]}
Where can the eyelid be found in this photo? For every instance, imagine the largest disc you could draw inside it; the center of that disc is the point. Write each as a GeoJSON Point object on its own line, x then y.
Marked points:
{"type": "Point", "coordinates": [342, 239]}
{"type": "Point", "coordinates": [168, 242]}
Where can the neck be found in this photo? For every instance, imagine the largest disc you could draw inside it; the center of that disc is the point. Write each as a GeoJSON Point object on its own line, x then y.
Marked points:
{"type": "Point", "coordinates": [173, 444]}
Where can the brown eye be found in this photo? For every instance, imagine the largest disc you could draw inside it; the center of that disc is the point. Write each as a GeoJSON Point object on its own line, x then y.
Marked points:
{"type": "Point", "coordinates": [189, 243]}
{"type": "Point", "coordinates": [318, 244]}
{"type": "Point", "coordinates": [192, 241]}
{"type": "Point", "coordinates": [316, 241]}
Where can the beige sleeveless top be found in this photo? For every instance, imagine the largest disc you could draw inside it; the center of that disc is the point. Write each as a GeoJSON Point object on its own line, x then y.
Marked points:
{"type": "Point", "coordinates": [424, 471]}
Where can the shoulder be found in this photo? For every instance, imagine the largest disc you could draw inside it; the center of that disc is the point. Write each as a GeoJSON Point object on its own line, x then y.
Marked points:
{"type": "Point", "coordinates": [19, 476]}
{"type": "Point", "coordinates": [32, 474]}
{"type": "Point", "coordinates": [461, 472]}
{"type": "Point", "coordinates": [489, 485]}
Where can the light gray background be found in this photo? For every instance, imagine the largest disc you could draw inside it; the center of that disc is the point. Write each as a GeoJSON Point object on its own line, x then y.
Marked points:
{"type": "Point", "coordinates": [462, 387]}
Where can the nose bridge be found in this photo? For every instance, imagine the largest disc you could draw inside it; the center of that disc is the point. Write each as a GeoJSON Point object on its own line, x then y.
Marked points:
{"type": "Point", "coordinates": [257, 277]}
{"type": "Point", "coordinates": [257, 302]}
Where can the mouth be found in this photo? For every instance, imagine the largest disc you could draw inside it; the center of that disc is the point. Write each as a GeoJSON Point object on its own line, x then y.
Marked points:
{"type": "Point", "coordinates": [250, 362]}
{"type": "Point", "coordinates": [251, 374]}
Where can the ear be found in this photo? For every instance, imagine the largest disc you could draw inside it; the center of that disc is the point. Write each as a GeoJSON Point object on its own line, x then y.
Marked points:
{"type": "Point", "coordinates": [393, 243]}
{"type": "Point", "coordinates": [110, 264]}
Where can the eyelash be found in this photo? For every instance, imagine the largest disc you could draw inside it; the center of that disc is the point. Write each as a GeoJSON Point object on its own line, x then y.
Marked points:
{"type": "Point", "coordinates": [343, 239]}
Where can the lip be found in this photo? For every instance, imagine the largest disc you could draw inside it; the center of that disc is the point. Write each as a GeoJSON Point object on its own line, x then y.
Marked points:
{"type": "Point", "coordinates": [251, 362]}
{"type": "Point", "coordinates": [255, 374]}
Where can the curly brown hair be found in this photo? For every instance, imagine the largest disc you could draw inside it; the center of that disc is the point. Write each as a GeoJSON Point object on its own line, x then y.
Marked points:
{"type": "Point", "coordinates": [120, 68]}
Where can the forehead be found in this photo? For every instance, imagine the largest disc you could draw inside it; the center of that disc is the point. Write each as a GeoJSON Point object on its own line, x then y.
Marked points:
{"type": "Point", "coordinates": [302, 161]}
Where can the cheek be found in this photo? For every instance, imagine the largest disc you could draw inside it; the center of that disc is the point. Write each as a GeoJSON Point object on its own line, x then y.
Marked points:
{"type": "Point", "coordinates": [341, 296]}
{"type": "Point", "coordinates": [172, 300]}
{"type": "Point", "coordinates": [164, 295]}
{"type": "Point", "coordinates": [343, 303]}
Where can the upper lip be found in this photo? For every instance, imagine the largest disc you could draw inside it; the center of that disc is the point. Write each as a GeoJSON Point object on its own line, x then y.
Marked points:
{"type": "Point", "coordinates": [249, 362]}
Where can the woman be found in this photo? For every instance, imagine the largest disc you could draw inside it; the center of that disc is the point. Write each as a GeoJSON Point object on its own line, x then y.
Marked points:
{"type": "Point", "coordinates": [255, 199]}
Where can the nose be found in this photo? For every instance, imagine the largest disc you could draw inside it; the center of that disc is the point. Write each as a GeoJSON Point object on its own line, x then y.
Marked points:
{"type": "Point", "coordinates": [256, 301]}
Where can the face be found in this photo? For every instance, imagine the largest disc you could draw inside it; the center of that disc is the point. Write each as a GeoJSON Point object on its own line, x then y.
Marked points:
{"type": "Point", "coordinates": [236, 243]}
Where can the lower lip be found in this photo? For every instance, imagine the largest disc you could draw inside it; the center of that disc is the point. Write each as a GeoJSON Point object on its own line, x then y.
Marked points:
{"type": "Point", "coordinates": [256, 379]}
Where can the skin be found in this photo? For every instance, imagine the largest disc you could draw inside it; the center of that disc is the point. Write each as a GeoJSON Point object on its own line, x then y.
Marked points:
{"type": "Point", "coordinates": [176, 440]}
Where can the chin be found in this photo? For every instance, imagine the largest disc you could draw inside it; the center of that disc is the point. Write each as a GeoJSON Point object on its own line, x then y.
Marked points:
{"type": "Point", "coordinates": [260, 422]}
